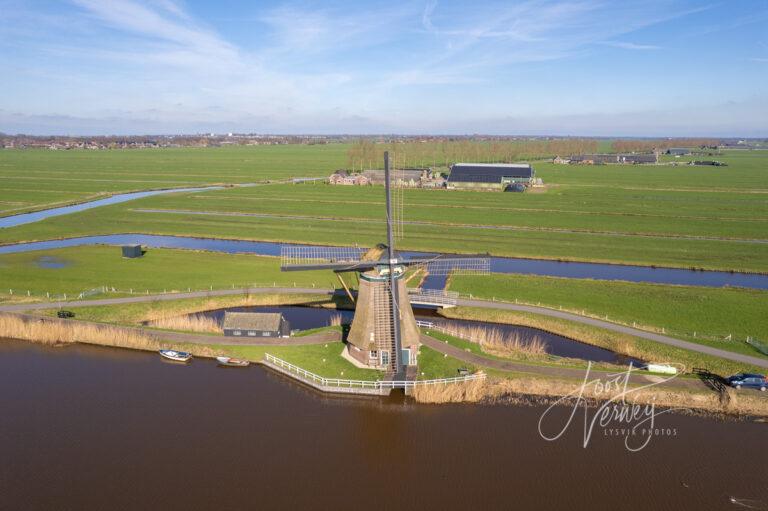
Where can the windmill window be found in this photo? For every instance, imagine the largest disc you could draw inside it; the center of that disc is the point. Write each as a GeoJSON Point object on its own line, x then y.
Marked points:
{"type": "Point", "coordinates": [374, 354]}
{"type": "Point", "coordinates": [237, 332]}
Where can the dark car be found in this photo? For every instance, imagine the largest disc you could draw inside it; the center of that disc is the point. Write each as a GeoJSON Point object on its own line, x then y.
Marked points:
{"type": "Point", "coordinates": [753, 381]}
{"type": "Point", "coordinates": [515, 187]}
{"type": "Point", "coordinates": [65, 314]}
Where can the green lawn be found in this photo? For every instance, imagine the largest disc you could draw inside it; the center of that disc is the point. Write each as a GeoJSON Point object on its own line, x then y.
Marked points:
{"type": "Point", "coordinates": [157, 271]}
{"type": "Point", "coordinates": [712, 313]}
{"type": "Point", "coordinates": [322, 359]}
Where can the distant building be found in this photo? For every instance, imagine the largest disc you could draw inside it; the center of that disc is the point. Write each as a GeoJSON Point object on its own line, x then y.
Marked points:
{"type": "Point", "coordinates": [561, 160]}
{"type": "Point", "coordinates": [132, 251]}
{"type": "Point", "coordinates": [256, 324]}
{"type": "Point", "coordinates": [679, 151]}
{"type": "Point", "coordinates": [603, 159]}
{"type": "Point", "coordinates": [708, 162]}
{"type": "Point", "coordinates": [496, 176]}
{"type": "Point", "coordinates": [638, 158]}
{"type": "Point", "coordinates": [594, 159]}
{"type": "Point", "coordinates": [341, 177]}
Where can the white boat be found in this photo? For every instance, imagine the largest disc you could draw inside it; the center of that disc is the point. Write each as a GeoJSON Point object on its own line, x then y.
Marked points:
{"type": "Point", "coordinates": [232, 362]}
{"type": "Point", "coordinates": [176, 356]}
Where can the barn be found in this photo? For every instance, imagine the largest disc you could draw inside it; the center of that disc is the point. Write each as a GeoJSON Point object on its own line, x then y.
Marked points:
{"type": "Point", "coordinates": [489, 176]}
{"type": "Point", "coordinates": [256, 324]}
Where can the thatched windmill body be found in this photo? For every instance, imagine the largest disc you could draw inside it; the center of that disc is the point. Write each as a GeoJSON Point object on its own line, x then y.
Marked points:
{"type": "Point", "coordinates": [384, 333]}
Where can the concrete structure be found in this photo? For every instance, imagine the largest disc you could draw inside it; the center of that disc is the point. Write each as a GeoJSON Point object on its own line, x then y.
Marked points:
{"type": "Point", "coordinates": [370, 340]}
{"type": "Point", "coordinates": [256, 324]}
{"type": "Point", "coordinates": [489, 176]}
{"type": "Point", "coordinates": [132, 251]}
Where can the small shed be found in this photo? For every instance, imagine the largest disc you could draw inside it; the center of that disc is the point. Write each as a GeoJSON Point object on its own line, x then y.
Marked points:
{"type": "Point", "coordinates": [132, 251]}
{"type": "Point", "coordinates": [256, 324]}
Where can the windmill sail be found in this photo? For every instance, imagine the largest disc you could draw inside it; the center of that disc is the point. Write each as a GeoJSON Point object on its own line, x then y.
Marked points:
{"type": "Point", "coordinates": [296, 258]}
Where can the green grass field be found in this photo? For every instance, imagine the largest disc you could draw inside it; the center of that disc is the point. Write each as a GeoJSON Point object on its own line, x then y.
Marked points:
{"type": "Point", "coordinates": [650, 215]}
{"type": "Point", "coordinates": [159, 270]}
{"type": "Point", "coordinates": [35, 179]}
{"type": "Point", "coordinates": [712, 314]}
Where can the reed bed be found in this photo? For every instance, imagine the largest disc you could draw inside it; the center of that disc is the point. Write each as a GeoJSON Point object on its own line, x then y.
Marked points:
{"type": "Point", "coordinates": [191, 323]}
{"type": "Point", "coordinates": [60, 332]}
{"type": "Point", "coordinates": [464, 392]}
{"type": "Point", "coordinates": [336, 320]}
{"type": "Point", "coordinates": [495, 340]}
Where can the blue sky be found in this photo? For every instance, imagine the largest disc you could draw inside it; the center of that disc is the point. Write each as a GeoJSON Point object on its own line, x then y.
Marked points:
{"type": "Point", "coordinates": [580, 67]}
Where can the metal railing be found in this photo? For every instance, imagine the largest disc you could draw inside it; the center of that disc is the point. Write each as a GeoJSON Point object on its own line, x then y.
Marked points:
{"type": "Point", "coordinates": [433, 296]}
{"type": "Point", "coordinates": [322, 381]}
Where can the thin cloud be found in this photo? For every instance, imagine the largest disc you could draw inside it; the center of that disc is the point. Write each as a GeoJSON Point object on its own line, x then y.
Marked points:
{"type": "Point", "coordinates": [631, 46]}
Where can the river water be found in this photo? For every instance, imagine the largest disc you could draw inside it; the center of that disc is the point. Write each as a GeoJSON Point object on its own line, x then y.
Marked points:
{"type": "Point", "coordinates": [36, 216]}
{"type": "Point", "coordinates": [498, 264]}
{"type": "Point", "coordinates": [305, 318]}
{"type": "Point", "coordinates": [97, 428]}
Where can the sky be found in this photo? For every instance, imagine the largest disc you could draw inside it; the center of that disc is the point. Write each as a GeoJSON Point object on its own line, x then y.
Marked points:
{"type": "Point", "coordinates": [534, 67]}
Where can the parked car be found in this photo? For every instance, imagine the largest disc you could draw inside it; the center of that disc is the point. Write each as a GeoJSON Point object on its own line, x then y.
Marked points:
{"type": "Point", "coordinates": [65, 314]}
{"type": "Point", "coordinates": [753, 381]}
{"type": "Point", "coordinates": [515, 187]}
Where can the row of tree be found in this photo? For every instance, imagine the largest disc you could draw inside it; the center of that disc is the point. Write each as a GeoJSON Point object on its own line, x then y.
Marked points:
{"type": "Point", "coordinates": [647, 146]}
{"type": "Point", "coordinates": [365, 153]}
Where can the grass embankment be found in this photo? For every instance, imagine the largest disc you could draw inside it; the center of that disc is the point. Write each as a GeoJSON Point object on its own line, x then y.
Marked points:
{"type": "Point", "coordinates": [702, 315]}
{"type": "Point", "coordinates": [37, 179]}
{"type": "Point", "coordinates": [620, 343]}
{"type": "Point", "coordinates": [623, 214]}
{"type": "Point", "coordinates": [81, 269]}
{"type": "Point", "coordinates": [517, 389]}
{"type": "Point", "coordinates": [134, 313]}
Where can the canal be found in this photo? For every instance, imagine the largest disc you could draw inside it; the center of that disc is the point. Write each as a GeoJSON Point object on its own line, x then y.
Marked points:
{"type": "Point", "coordinates": [98, 428]}
{"type": "Point", "coordinates": [598, 271]}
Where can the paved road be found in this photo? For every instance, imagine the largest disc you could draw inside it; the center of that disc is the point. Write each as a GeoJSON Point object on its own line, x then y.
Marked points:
{"type": "Point", "coordinates": [670, 341]}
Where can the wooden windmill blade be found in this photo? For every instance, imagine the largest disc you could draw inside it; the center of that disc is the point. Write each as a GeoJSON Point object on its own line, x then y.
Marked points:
{"type": "Point", "coordinates": [301, 258]}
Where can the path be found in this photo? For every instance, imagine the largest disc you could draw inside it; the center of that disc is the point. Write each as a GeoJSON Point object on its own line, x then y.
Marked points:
{"type": "Point", "coordinates": [664, 339]}
{"type": "Point", "coordinates": [548, 371]}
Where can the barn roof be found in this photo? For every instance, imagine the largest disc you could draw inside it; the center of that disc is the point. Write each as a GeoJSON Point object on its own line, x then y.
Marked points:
{"type": "Point", "coordinates": [488, 172]}
{"type": "Point", "coordinates": [265, 321]}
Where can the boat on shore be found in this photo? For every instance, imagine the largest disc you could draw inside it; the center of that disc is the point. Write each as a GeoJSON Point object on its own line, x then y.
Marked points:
{"type": "Point", "coordinates": [232, 362]}
{"type": "Point", "coordinates": [176, 356]}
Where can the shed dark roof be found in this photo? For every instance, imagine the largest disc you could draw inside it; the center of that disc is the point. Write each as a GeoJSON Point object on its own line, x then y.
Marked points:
{"type": "Point", "coordinates": [264, 321]}
{"type": "Point", "coordinates": [488, 172]}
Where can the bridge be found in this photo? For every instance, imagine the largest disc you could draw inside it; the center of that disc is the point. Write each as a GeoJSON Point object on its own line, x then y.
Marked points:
{"type": "Point", "coordinates": [433, 298]}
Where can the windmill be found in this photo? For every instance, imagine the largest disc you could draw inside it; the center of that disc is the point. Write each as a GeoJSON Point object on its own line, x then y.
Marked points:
{"type": "Point", "coordinates": [384, 333]}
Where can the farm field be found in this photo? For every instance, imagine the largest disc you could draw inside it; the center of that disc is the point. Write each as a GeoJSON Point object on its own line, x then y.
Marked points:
{"type": "Point", "coordinates": [714, 218]}
{"type": "Point", "coordinates": [713, 314]}
{"type": "Point", "coordinates": [37, 179]}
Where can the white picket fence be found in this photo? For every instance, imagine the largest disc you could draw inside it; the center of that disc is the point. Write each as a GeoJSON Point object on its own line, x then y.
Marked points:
{"type": "Point", "coordinates": [337, 383]}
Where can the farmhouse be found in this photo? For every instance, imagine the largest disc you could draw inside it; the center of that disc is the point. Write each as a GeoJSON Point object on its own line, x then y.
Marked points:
{"type": "Point", "coordinates": [256, 324]}
{"type": "Point", "coordinates": [678, 151]}
{"type": "Point", "coordinates": [341, 177]}
{"type": "Point", "coordinates": [489, 176]}
{"type": "Point", "coordinates": [593, 159]}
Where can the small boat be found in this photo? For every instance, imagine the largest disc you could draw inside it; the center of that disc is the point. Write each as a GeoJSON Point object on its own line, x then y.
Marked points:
{"type": "Point", "coordinates": [232, 362]}
{"type": "Point", "coordinates": [176, 356]}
